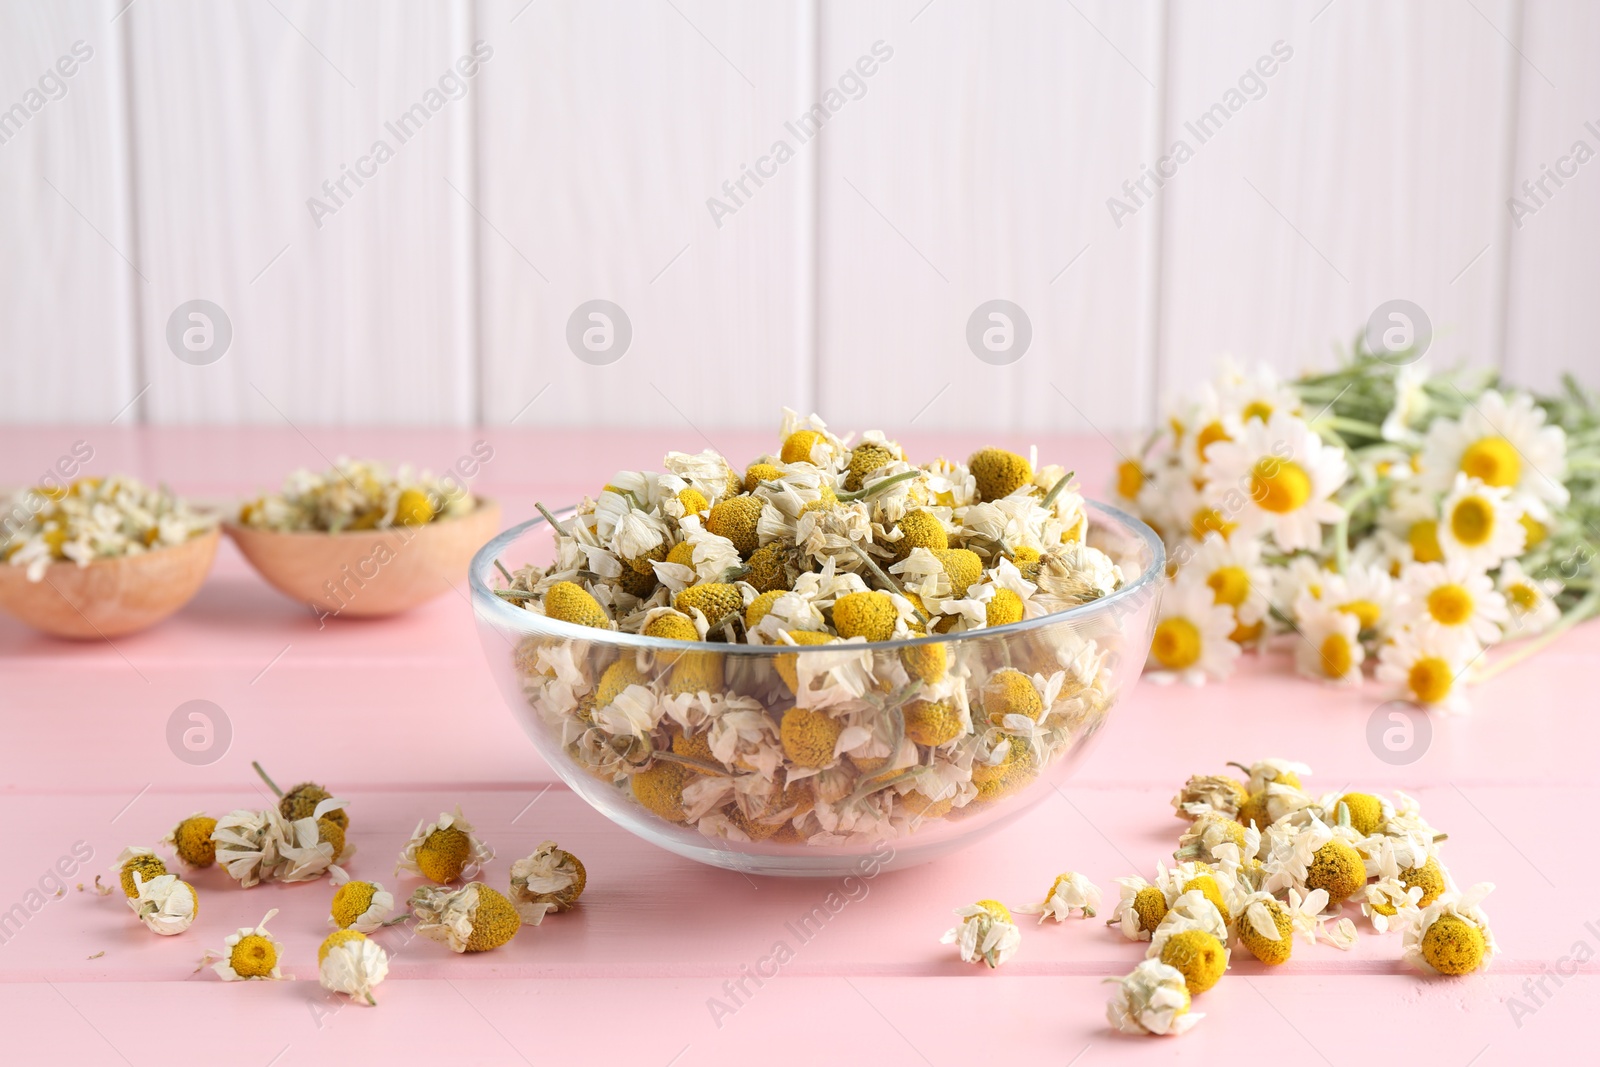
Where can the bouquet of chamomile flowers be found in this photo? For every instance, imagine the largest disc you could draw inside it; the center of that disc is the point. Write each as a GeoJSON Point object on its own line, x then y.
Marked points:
{"type": "Point", "coordinates": [1383, 518]}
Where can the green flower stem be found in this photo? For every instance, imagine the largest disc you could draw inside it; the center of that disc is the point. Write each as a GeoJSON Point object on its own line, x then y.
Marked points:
{"type": "Point", "coordinates": [877, 487]}
{"type": "Point", "coordinates": [1341, 531]}
{"type": "Point", "coordinates": [1352, 426]}
{"type": "Point", "coordinates": [883, 576]}
{"type": "Point", "coordinates": [264, 777]}
{"type": "Point", "coordinates": [1055, 490]}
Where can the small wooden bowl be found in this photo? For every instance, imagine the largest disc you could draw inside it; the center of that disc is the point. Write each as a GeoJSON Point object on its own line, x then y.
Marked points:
{"type": "Point", "coordinates": [109, 597]}
{"type": "Point", "coordinates": [365, 573]}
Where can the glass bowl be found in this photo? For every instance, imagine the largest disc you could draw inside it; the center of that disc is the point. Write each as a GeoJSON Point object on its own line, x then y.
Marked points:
{"type": "Point", "coordinates": [702, 748]}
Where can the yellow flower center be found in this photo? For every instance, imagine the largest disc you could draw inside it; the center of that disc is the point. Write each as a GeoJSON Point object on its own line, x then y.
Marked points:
{"type": "Point", "coordinates": [1130, 479]}
{"type": "Point", "coordinates": [1279, 485]}
{"type": "Point", "coordinates": [1472, 521]}
{"type": "Point", "coordinates": [1244, 635]}
{"type": "Point", "coordinates": [1424, 539]}
{"type": "Point", "coordinates": [1430, 679]}
{"type": "Point", "coordinates": [1336, 656]}
{"type": "Point", "coordinates": [1230, 584]}
{"type": "Point", "coordinates": [1523, 596]}
{"type": "Point", "coordinates": [1210, 520]}
{"type": "Point", "coordinates": [1176, 645]}
{"type": "Point", "coordinates": [253, 957]}
{"type": "Point", "coordinates": [1536, 530]}
{"type": "Point", "coordinates": [1493, 461]}
{"type": "Point", "coordinates": [1366, 612]}
{"type": "Point", "coordinates": [1450, 605]}
{"type": "Point", "coordinates": [1256, 409]}
{"type": "Point", "coordinates": [1209, 435]}
{"type": "Point", "coordinates": [351, 901]}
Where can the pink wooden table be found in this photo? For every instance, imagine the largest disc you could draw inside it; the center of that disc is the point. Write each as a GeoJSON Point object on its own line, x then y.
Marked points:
{"type": "Point", "coordinates": [631, 976]}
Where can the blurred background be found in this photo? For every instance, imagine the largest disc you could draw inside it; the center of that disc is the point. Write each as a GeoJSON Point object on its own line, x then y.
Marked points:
{"type": "Point", "coordinates": [401, 213]}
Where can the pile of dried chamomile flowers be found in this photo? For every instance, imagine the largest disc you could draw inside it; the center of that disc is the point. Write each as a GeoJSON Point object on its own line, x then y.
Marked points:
{"type": "Point", "coordinates": [94, 518]}
{"type": "Point", "coordinates": [833, 544]}
{"type": "Point", "coordinates": [358, 495]}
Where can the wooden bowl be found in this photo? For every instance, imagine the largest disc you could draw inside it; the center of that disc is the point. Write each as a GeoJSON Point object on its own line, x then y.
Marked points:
{"type": "Point", "coordinates": [366, 573]}
{"type": "Point", "coordinates": [110, 596]}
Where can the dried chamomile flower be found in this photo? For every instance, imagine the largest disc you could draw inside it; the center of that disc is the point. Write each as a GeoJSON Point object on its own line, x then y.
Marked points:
{"type": "Point", "coordinates": [358, 494]}
{"type": "Point", "coordinates": [251, 954]}
{"type": "Point", "coordinates": [1430, 878]}
{"type": "Point", "coordinates": [1452, 935]}
{"type": "Point", "coordinates": [1153, 999]}
{"type": "Point", "coordinates": [985, 933]}
{"type": "Point", "coordinates": [999, 473]}
{"type": "Point", "coordinates": [1211, 830]}
{"type": "Point", "coordinates": [1267, 925]}
{"type": "Point", "coordinates": [262, 846]}
{"type": "Point", "coordinates": [359, 906]}
{"type": "Point", "coordinates": [1199, 956]}
{"type": "Point", "coordinates": [1068, 893]}
{"type": "Point", "coordinates": [1204, 794]}
{"type": "Point", "coordinates": [1390, 902]}
{"type": "Point", "coordinates": [445, 850]}
{"type": "Point", "coordinates": [93, 518]}
{"type": "Point", "coordinates": [551, 879]}
{"type": "Point", "coordinates": [165, 904]}
{"type": "Point", "coordinates": [1365, 813]}
{"type": "Point", "coordinates": [137, 860]}
{"type": "Point", "coordinates": [351, 963]}
{"type": "Point", "coordinates": [473, 918]}
{"type": "Point", "coordinates": [1193, 910]}
{"type": "Point", "coordinates": [191, 840]}
{"type": "Point", "coordinates": [1140, 910]}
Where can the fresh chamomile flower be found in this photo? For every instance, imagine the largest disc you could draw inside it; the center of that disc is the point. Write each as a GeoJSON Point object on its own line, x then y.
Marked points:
{"type": "Point", "coordinates": [134, 862]}
{"type": "Point", "coordinates": [165, 904]}
{"type": "Point", "coordinates": [351, 963]}
{"type": "Point", "coordinates": [1233, 571]}
{"type": "Point", "coordinates": [1451, 936]}
{"type": "Point", "coordinates": [1502, 443]}
{"type": "Point", "coordinates": [1191, 641]}
{"type": "Point", "coordinates": [1410, 403]}
{"type": "Point", "coordinates": [551, 879]}
{"type": "Point", "coordinates": [1425, 664]}
{"type": "Point", "coordinates": [1140, 910]}
{"type": "Point", "coordinates": [1153, 999]}
{"type": "Point", "coordinates": [1068, 893]}
{"type": "Point", "coordinates": [1529, 600]}
{"type": "Point", "coordinates": [359, 906]}
{"type": "Point", "coordinates": [191, 840]}
{"type": "Point", "coordinates": [1479, 525]}
{"type": "Point", "coordinates": [445, 850]}
{"type": "Point", "coordinates": [985, 933]}
{"type": "Point", "coordinates": [1329, 647]}
{"type": "Point", "coordinates": [1279, 477]}
{"type": "Point", "coordinates": [1455, 595]}
{"type": "Point", "coordinates": [473, 918]}
{"type": "Point", "coordinates": [1366, 592]}
{"type": "Point", "coordinates": [251, 954]}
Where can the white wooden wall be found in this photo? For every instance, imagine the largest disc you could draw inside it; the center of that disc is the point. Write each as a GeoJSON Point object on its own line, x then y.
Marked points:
{"type": "Point", "coordinates": [977, 165]}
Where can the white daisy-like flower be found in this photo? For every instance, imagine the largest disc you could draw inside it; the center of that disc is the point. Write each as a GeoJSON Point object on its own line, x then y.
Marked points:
{"type": "Point", "coordinates": [1503, 443]}
{"type": "Point", "coordinates": [1479, 525]}
{"type": "Point", "coordinates": [1457, 949]}
{"type": "Point", "coordinates": [1454, 595]}
{"type": "Point", "coordinates": [1191, 911]}
{"type": "Point", "coordinates": [1425, 664]}
{"type": "Point", "coordinates": [250, 954]}
{"type": "Point", "coordinates": [1068, 893]}
{"type": "Point", "coordinates": [165, 904]}
{"type": "Point", "coordinates": [1366, 591]}
{"type": "Point", "coordinates": [1191, 641]}
{"type": "Point", "coordinates": [985, 933]}
{"type": "Point", "coordinates": [351, 963]}
{"type": "Point", "coordinates": [1153, 999]}
{"type": "Point", "coordinates": [1410, 403]}
{"type": "Point", "coordinates": [1330, 647]}
{"type": "Point", "coordinates": [1279, 477]}
{"type": "Point", "coordinates": [446, 850]}
{"type": "Point", "coordinates": [1531, 601]}
{"type": "Point", "coordinates": [1233, 571]}
{"type": "Point", "coordinates": [1127, 917]}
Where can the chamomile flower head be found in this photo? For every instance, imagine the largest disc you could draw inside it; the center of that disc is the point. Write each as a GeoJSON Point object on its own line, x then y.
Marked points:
{"type": "Point", "coordinates": [1502, 443]}
{"type": "Point", "coordinates": [251, 954]}
{"type": "Point", "coordinates": [1530, 601]}
{"type": "Point", "coordinates": [1390, 902]}
{"type": "Point", "coordinates": [360, 906]}
{"type": "Point", "coordinates": [1193, 909]}
{"type": "Point", "coordinates": [999, 473]}
{"type": "Point", "coordinates": [1366, 813]}
{"type": "Point", "coordinates": [445, 850]}
{"type": "Point", "coordinates": [1279, 477]}
{"type": "Point", "coordinates": [1233, 571]}
{"type": "Point", "coordinates": [1429, 877]}
{"type": "Point", "coordinates": [1068, 893]}
{"type": "Point", "coordinates": [1199, 955]}
{"type": "Point", "coordinates": [1140, 910]}
{"type": "Point", "coordinates": [1191, 641]}
{"type": "Point", "coordinates": [1212, 830]}
{"type": "Point", "coordinates": [1204, 794]}
{"type": "Point", "coordinates": [165, 904]}
{"type": "Point", "coordinates": [351, 963]}
{"type": "Point", "coordinates": [1425, 663]}
{"type": "Point", "coordinates": [985, 934]}
{"type": "Point", "coordinates": [1451, 936]}
{"type": "Point", "coordinates": [1329, 648]}
{"type": "Point", "coordinates": [1366, 592]}
{"type": "Point", "coordinates": [137, 861]}
{"type": "Point", "coordinates": [473, 918]}
{"type": "Point", "coordinates": [551, 879]}
{"type": "Point", "coordinates": [1267, 925]}
{"type": "Point", "coordinates": [191, 840]}
{"type": "Point", "coordinates": [1479, 525]}
{"type": "Point", "coordinates": [1153, 999]}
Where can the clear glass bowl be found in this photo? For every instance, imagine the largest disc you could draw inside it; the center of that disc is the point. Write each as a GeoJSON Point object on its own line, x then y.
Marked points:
{"type": "Point", "coordinates": [707, 773]}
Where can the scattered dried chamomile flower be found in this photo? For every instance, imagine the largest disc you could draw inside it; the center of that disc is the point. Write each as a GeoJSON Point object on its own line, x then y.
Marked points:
{"type": "Point", "coordinates": [999, 473]}
{"type": "Point", "coordinates": [1430, 878]}
{"type": "Point", "coordinates": [551, 879]}
{"type": "Point", "coordinates": [1204, 794]}
{"type": "Point", "coordinates": [165, 904]}
{"type": "Point", "coordinates": [1451, 936]}
{"type": "Point", "coordinates": [985, 933]}
{"type": "Point", "coordinates": [350, 962]}
{"type": "Point", "coordinates": [445, 850]}
{"type": "Point", "coordinates": [1267, 925]}
{"type": "Point", "coordinates": [1364, 812]}
{"type": "Point", "coordinates": [1153, 999]}
{"type": "Point", "coordinates": [1390, 902]}
{"type": "Point", "coordinates": [191, 840]}
{"type": "Point", "coordinates": [1140, 910]}
{"type": "Point", "coordinates": [250, 954]}
{"type": "Point", "coordinates": [302, 801]}
{"type": "Point", "coordinates": [263, 846]}
{"type": "Point", "coordinates": [474, 918]}
{"type": "Point", "coordinates": [1068, 893]}
{"type": "Point", "coordinates": [141, 861]}
{"type": "Point", "coordinates": [1197, 955]}
{"type": "Point", "coordinates": [359, 906]}
{"type": "Point", "coordinates": [1192, 911]}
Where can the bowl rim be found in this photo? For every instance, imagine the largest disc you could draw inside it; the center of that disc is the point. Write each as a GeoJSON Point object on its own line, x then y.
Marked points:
{"type": "Point", "coordinates": [214, 533]}
{"type": "Point", "coordinates": [1133, 594]}
{"type": "Point", "coordinates": [232, 525]}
